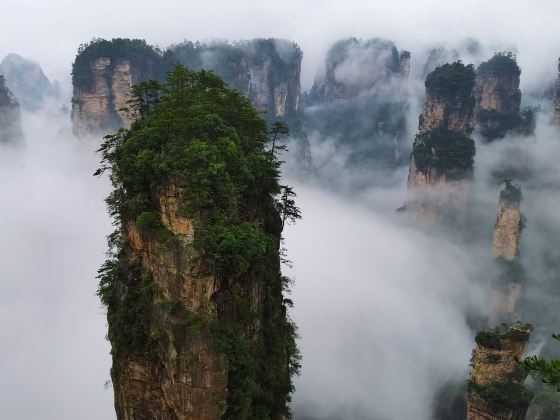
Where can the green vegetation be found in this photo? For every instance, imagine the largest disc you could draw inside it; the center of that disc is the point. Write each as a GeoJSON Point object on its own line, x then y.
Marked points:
{"type": "Point", "coordinates": [501, 63]}
{"type": "Point", "coordinates": [147, 60]}
{"type": "Point", "coordinates": [196, 133]}
{"type": "Point", "coordinates": [494, 125]}
{"type": "Point", "coordinates": [492, 338]}
{"type": "Point", "coordinates": [129, 307]}
{"type": "Point", "coordinates": [506, 394]}
{"type": "Point", "coordinates": [545, 404]}
{"type": "Point", "coordinates": [548, 370]}
{"type": "Point", "coordinates": [447, 151]}
{"type": "Point", "coordinates": [511, 192]}
{"type": "Point", "coordinates": [452, 81]}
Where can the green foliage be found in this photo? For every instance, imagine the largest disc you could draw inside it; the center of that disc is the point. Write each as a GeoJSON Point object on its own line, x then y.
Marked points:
{"type": "Point", "coordinates": [488, 338]}
{"type": "Point", "coordinates": [506, 394]}
{"type": "Point", "coordinates": [234, 248]}
{"type": "Point", "coordinates": [447, 151]}
{"type": "Point", "coordinates": [548, 370]}
{"type": "Point", "coordinates": [502, 63]}
{"type": "Point", "coordinates": [145, 59]}
{"type": "Point", "coordinates": [149, 222]}
{"type": "Point", "coordinates": [545, 404]}
{"type": "Point", "coordinates": [129, 302]}
{"type": "Point", "coordinates": [452, 81]}
{"type": "Point", "coordinates": [286, 205]}
{"type": "Point", "coordinates": [492, 338]}
{"type": "Point", "coordinates": [206, 139]}
{"type": "Point", "coordinates": [511, 192]}
{"type": "Point", "coordinates": [494, 125]}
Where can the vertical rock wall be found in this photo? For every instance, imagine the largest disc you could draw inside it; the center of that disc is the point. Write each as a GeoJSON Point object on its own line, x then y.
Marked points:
{"type": "Point", "coordinates": [442, 156]}
{"type": "Point", "coordinates": [99, 110]}
{"type": "Point", "coordinates": [188, 378]}
{"type": "Point", "coordinates": [498, 98]}
{"type": "Point", "coordinates": [509, 223]}
{"type": "Point", "coordinates": [496, 390]}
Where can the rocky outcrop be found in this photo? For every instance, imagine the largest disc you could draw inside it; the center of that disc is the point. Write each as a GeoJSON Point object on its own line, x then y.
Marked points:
{"type": "Point", "coordinates": [91, 110]}
{"type": "Point", "coordinates": [197, 319]}
{"type": "Point", "coordinates": [496, 390]}
{"type": "Point", "coordinates": [102, 76]}
{"type": "Point", "coordinates": [509, 223]}
{"type": "Point", "coordinates": [10, 124]}
{"type": "Point", "coordinates": [498, 98]}
{"type": "Point", "coordinates": [507, 288]}
{"type": "Point", "coordinates": [404, 63]}
{"type": "Point", "coordinates": [267, 71]}
{"type": "Point", "coordinates": [189, 378]}
{"type": "Point", "coordinates": [26, 80]}
{"type": "Point", "coordinates": [443, 152]}
{"type": "Point", "coordinates": [497, 85]}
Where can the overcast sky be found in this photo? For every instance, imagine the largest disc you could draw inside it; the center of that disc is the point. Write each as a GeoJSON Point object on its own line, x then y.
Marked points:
{"type": "Point", "coordinates": [50, 31]}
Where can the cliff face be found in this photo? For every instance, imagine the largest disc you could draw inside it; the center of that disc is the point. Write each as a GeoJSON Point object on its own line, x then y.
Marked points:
{"type": "Point", "coordinates": [453, 113]}
{"type": "Point", "coordinates": [509, 223]}
{"type": "Point", "coordinates": [496, 388]}
{"type": "Point", "coordinates": [189, 379]}
{"type": "Point", "coordinates": [498, 98]}
{"type": "Point", "coordinates": [10, 125]}
{"type": "Point", "coordinates": [102, 76]}
{"type": "Point", "coordinates": [194, 292]}
{"type": "Point", "coordinates": [267, 71]}
{"type": "Point", "coordinates": [442, 152]}
{"type": "Point", "coordinates": [497, 85]}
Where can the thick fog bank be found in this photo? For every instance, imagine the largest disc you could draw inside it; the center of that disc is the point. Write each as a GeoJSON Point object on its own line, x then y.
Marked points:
{"type": "Point", "coordinates": [53, 356]}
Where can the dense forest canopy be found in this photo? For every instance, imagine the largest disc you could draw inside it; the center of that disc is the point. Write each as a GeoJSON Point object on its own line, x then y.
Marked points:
{"type": "Point", "coordinates": [454, 80]}
{"type": "Point", "coordinates": [502, 63]}
{"type": "Point", "coordinates": [450, 152]}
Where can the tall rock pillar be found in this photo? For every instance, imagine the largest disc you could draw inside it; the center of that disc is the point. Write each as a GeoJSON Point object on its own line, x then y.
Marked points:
{"type": "Point", "coordinates": [496, 390]}
{"type": "Point", "coordinates": [442, 157]}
